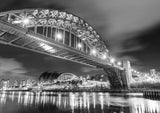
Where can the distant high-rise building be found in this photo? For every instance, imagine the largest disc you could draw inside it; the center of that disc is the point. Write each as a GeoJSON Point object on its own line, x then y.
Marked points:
{"type": "Point", "coordinates": [5, 84]}
{"type": "Point", "coordinates": [153, 72]}
{"type": "Point", "coordinates": [16, 84]}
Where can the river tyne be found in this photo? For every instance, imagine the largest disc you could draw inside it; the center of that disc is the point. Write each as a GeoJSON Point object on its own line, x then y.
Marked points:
{"type": "Point", "coordinates": [74, 102]}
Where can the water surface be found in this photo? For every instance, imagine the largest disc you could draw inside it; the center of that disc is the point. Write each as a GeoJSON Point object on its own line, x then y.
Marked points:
{"type": "Point", "coordinates": [56, 102]}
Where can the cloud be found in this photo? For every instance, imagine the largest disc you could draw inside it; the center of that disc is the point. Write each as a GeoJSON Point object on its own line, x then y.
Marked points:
{"type": "Point", "coordinates": [19, 4]}
{"type": "Point", "coordinates": [119, 21]}
{"type": "Point", "coordinates": [10, 68]}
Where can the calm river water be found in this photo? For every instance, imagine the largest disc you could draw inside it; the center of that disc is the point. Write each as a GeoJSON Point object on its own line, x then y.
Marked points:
{"type": "Point", "coordinates": [51, 102]}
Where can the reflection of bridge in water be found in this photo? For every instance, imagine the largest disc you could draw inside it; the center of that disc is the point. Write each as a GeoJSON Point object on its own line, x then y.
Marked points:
{"type": "Point", "coordinates": [61, 35]}
{"type": "Point", "coordinates": [90, 102]}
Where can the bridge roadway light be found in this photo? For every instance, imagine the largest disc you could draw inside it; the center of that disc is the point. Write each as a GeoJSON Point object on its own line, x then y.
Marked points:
{"type": "Point", "coordinates": [59, 36]}
{"type": "Point", "coordinates": [119, 63]}
{"type": "Point", "coordinates": [104, 56]}
{"type": "Point", "coordinates": [94, 51]}
{"type": "Point", "coordinates": [135, 71]}
{"type": "Point", "coordinates": [112, 60]}
{"type": "Point", "coordinates": [79, 45]}
{"type": "Point", "coordinates": [26, 21]}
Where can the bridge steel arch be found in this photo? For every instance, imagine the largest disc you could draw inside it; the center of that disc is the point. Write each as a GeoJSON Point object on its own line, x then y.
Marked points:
{"type": "Point", "coordinates": [59, 34]}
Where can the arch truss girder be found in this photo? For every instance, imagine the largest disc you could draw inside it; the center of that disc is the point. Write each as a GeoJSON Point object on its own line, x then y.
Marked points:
{"type": "Point", "coordinates": [16, 36]}
{"type": "Point", "coordinates": [45, 17]}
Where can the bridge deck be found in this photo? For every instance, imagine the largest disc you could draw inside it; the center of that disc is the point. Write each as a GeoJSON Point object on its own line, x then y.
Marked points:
{"type": "Point", "coordinates": [22, 38]}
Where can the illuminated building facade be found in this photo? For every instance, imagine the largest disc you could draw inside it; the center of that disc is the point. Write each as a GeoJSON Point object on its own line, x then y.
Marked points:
{"type": "Point", "coordinates": [153, 72]}
{"type": "Point", "coordinates": [5, 84]}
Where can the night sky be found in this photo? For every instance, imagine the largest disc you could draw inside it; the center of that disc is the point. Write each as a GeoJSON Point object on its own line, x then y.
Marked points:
{"type": "Point", "coordinates": [130, 29]}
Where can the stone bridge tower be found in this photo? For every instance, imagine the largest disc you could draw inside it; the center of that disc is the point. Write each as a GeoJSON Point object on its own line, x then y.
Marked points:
{"type": "Point", "coordinates": [119, 79]}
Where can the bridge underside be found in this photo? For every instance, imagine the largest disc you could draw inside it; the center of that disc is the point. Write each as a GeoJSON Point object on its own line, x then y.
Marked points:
{"type": "Point", "coordinates": [22, 38]}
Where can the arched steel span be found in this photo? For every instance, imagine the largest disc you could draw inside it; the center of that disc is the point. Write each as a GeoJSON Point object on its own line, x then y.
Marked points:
{"type": "Point", "coordinates": [60, 27]}
{"type": "Point", "coordinates": [56, 19]}
{"type": "Point", "coordinates": [59, 34]}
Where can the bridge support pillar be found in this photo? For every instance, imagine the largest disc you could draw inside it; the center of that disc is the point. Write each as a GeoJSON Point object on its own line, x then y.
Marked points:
{"type": "Point", "coordinates": [115, 77]}
{"type": "Point", "coordinates": [119, 79]}
{"type": "Point", "coordinates": [128, 72]}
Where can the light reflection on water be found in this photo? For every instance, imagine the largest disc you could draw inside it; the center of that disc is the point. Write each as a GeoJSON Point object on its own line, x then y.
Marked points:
{"type": "Point", "coordinates": [47, 102]}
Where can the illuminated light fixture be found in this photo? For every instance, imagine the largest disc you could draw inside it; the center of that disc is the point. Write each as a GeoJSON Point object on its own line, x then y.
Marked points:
{"type": "Point", "coordinates": [119, 63]}
{"type": "Point", "coordinates": [94, 51]}
{"type": "Point", "coordinates": [112, 60]}
{"type": "Point", "coordinates": [104, 56]}
{"type": "Point", "coordinates": [83, 39]}
{"type": "Point", "coordinates": [79, 45]}
{"type": "Point", "coordinates": [79, 35]}
{"type": "Point", "coordinates": [59, 36]}
{"type": "Point", "coordinates": [147, 74]}
{"type": "Point", "coordinates": [24, 21]}
{"type": "Point", "coordinates": [17, 21]}
{"type": "Point", "coordinates": [47, 48]}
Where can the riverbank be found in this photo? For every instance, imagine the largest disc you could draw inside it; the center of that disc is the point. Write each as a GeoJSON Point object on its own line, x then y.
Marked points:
{"type": "Point", "coordinates": [145, 91]}
{"type": "Point", "coordinates": [77, 90]}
